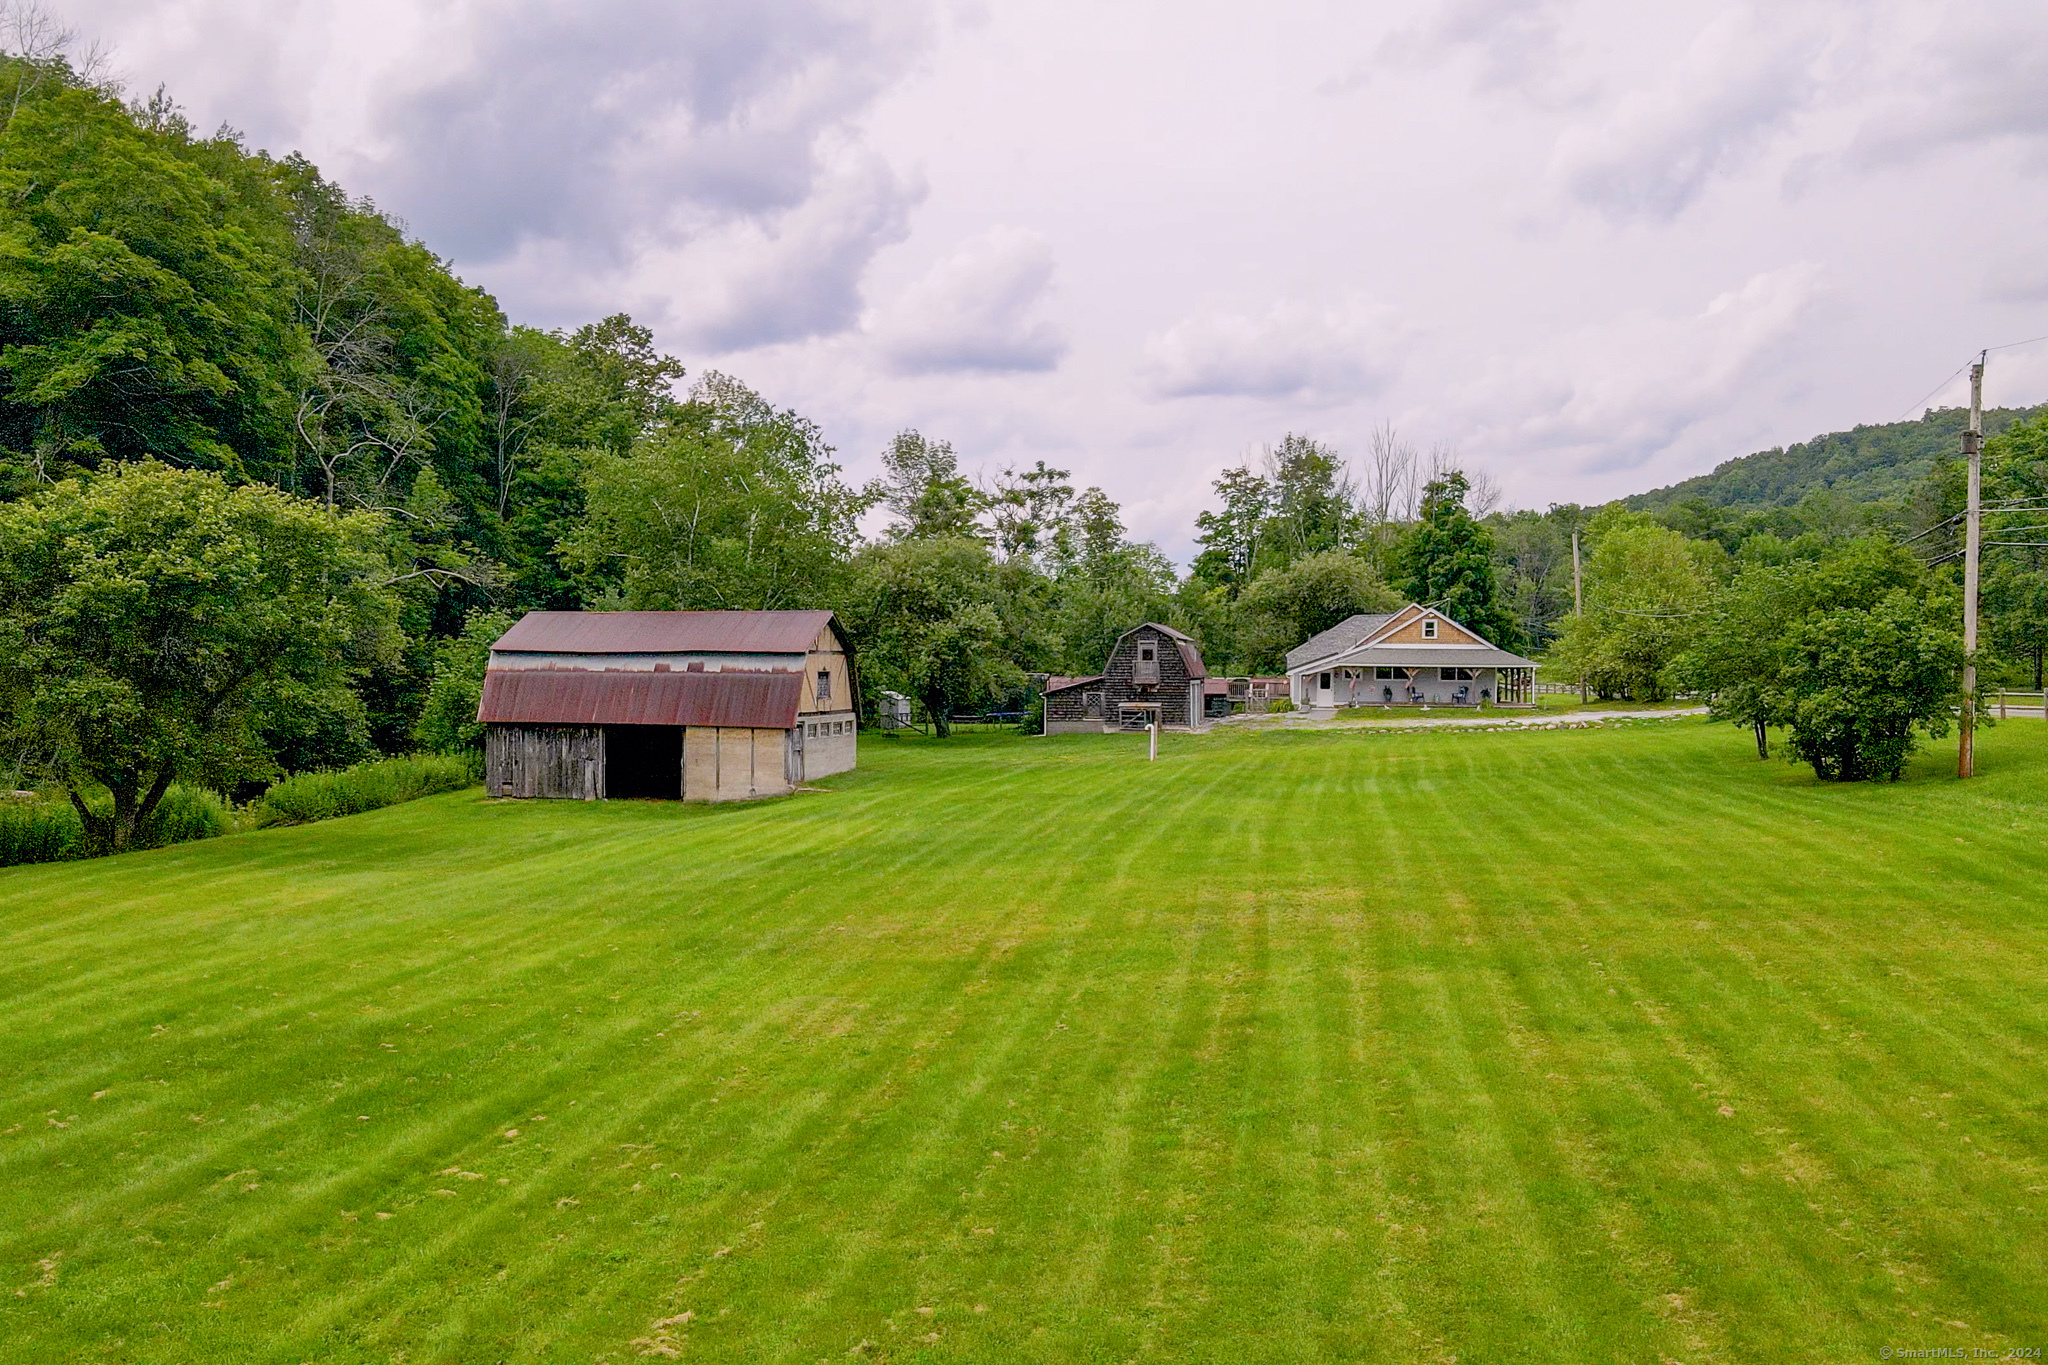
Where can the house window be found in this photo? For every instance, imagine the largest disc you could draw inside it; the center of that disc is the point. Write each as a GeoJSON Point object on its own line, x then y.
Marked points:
{"type": "Point", "coordinates": [814, 730]}
{"type": "Point", "coordinates": [824, 684]}
{"type": "Point", "coordinates": [1456, 674]}
{"type": "Point", "coordinates": [1429, 630]}
{"type": "Point", "coordinates": [1383, 673]}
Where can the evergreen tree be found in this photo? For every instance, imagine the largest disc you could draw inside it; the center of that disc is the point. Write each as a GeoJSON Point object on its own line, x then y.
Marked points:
{"type": "Point", "coordinates": [1446, 561]}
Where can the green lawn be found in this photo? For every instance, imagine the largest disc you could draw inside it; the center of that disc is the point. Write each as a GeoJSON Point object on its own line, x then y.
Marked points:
{"type": "Point", "coordinates": [1582, 1045]}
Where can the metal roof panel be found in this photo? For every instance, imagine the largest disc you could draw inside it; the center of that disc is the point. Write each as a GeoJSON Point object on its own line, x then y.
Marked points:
{"type": "Point", "coordinates": [665, 632]}
{"type": "Point", "coordinates": [550, 696]}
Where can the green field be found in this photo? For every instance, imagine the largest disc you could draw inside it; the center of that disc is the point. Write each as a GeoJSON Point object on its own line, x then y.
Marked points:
{"type": "Point", "coordinates": [1610, 1045]}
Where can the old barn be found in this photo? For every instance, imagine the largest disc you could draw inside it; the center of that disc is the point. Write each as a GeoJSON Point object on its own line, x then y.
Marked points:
{"type": "Point", "coordinates": [1153, 673]}
{"type": "Point", "coordinates": [690, 705]}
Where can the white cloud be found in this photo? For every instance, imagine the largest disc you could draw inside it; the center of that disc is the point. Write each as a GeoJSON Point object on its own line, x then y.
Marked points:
{"type": "Point", "coordinates": [1738, 85]}
{"type": "Point", "coordinates": [1976, 76]}
{"type": "Point", "coordinates": [1617, 396]}
{"type": "Point", "coordinates": [1293, 350]}
{"type": "Point", "coordinates": [981, 309]}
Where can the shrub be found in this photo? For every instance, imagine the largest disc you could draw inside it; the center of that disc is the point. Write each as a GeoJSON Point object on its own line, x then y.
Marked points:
{"type": "Point", "coordinates": [38, 832]}
{"type": "Point", "coordinates": [367, 786]}
{"type": "Point", "coordinates": [49, 831]}
{"type": "Point", "coordinates": [185, 814]}
{"type": "Point", "coordinates": [1278, 705]}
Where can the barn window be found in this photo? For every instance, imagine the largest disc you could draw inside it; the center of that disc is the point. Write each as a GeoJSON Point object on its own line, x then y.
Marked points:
{"type": "Point", "coordinates": [1429, 630]}
{"type": "Point", "coordinates": [814, 730]}
{"type": "Point", "coordinates": [824, 684]}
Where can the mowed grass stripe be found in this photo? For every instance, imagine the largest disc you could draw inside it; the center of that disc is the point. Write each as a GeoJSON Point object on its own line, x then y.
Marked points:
{"type": "Point", "coordinates": [1336, 1079]}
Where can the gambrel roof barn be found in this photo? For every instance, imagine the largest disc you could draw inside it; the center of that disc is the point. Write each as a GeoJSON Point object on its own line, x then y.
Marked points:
{"type": "Point", "coordinates": [701, 705]}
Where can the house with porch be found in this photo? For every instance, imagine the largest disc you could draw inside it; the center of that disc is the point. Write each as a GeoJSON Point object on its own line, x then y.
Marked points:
{"type": "Point", "coordinates": [1416, 656]}
{"type": "Point", "coordinates": [1153, 673]}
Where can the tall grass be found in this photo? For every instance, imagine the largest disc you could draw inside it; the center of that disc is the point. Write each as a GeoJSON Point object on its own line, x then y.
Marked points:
{"type": "Point", "coordinates": [367, 786]}
{"type": "Point", "coordinates": [48, 830]}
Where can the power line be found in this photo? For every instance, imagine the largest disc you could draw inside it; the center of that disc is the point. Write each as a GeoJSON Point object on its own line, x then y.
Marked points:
{"type": "Point", "coordinates": [1964, 366]}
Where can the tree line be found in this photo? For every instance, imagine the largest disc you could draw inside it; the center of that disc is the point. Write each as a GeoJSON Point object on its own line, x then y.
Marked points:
{"type": "Point", "coordinates": [272, 477]}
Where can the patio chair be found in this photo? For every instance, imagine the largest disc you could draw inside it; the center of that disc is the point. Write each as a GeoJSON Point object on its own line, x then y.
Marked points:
{"type": "Point", "coordinates": [1461, 696]}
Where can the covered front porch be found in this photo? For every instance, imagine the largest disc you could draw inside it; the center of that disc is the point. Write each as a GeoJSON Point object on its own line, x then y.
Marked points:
{"type": "Point", "coordinates": [1416, 683]}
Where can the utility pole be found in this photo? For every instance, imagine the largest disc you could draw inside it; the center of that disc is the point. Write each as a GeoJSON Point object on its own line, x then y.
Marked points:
{"type": "Point", "coordinates": [1578, 601]}
{"type": "Point", "coordinates": [1973, 450]}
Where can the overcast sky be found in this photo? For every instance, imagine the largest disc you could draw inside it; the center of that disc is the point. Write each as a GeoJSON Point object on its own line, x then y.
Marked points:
{"type": "Point", "coordinates": [1595, 247]}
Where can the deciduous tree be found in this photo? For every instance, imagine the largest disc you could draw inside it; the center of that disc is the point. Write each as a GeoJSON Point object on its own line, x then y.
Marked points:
{"type": "Point", "coordinates": [152, 620]}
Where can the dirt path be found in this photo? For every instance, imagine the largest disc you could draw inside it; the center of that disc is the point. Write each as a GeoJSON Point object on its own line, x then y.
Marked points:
{"type": "Point", "coordinates": [1327, 720]}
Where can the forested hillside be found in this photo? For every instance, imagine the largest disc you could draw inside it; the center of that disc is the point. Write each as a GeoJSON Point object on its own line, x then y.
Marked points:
{"type": "Point", "coordinates": [1865, 464]}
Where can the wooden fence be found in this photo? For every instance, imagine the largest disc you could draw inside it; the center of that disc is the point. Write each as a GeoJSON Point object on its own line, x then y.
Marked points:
{"type": "Point", "coordinates": [2029, 700]}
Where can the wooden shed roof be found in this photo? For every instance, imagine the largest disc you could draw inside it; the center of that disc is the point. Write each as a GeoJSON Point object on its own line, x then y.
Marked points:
{"type": "Point", "coordinates": [664, 632]}
{"type": "Point", "coordinates": [550, 696]}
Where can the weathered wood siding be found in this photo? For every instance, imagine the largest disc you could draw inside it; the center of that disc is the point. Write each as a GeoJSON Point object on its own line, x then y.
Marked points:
{"type": "Point", "coordinates": [1173, 690]}
{"type": "Point", "coordinates": [563, 762]}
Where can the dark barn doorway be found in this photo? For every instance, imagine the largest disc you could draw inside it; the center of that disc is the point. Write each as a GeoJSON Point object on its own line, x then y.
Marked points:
{"type": "Point", "coordinates": [643, 762]}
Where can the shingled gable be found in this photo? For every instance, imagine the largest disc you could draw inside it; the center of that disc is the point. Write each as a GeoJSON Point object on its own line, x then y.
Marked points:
{"type": "Point", "coordinates": [1190, 653]}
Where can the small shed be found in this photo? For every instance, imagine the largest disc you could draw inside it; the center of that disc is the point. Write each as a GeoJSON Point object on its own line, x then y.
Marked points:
{"type": "Point", "coordinates": [690, 705]}
{"type": "Point", "coordinates": [1154, 672]}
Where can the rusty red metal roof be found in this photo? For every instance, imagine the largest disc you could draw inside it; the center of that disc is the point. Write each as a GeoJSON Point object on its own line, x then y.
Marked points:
{"type": "Point", "coordinates": [664, 632]}
{"type": "Point", "coordinates": [562, 696]}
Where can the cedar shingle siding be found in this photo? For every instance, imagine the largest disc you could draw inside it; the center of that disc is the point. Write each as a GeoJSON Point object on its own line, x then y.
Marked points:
{"type": "Point", "coordinates": [1086, 705]}
{"type": "Point", "coordinates": [1119, 683]}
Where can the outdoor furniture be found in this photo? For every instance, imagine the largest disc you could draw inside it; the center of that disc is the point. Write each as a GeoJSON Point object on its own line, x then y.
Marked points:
{"type": "Point", "coordinates": [1387, 694]}
{"type": "Point", "coordinates": [1461, 696]}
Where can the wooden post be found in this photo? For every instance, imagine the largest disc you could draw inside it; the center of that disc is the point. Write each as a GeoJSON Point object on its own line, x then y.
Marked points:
{"type": "Point", "coordinates": [2001, 703]}
{"type": "Point", "coordinates": [1973, 447]}
{"type": "Point", "coordinates": [1578, 602]}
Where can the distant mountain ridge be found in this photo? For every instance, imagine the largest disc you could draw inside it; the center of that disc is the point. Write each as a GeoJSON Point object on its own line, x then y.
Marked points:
{"type": "Point", "coordinates": [1869, 463]}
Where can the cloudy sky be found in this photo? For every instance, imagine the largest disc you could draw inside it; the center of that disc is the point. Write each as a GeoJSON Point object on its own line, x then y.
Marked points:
{"type": "Point", "coordinates": [1595, 247]}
